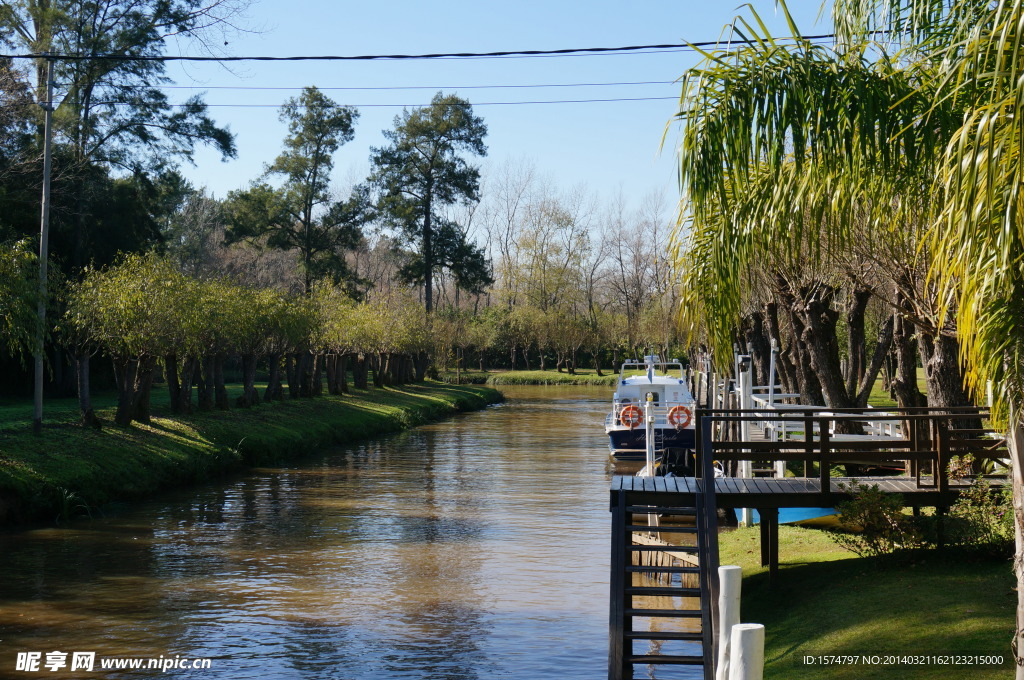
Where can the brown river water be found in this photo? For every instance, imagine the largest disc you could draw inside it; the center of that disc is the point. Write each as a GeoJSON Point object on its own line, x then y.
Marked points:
{"type": "Point", "coordinates": [474, 548]}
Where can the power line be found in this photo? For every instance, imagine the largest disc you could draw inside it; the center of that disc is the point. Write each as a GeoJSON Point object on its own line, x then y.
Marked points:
{"type": "Point", "coordinates": [580, 51]}
{"type": "Point", "coordinates": [363, 106]}
{"type": "Point", "coordinates": [416, 87]}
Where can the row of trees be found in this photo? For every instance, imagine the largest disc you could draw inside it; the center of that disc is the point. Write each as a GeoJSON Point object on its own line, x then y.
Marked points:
{"type": "Point", "coordinates": [150, 318]}
{"type": "Point", "coordinates": [559, 277]}
{"type": "Point", "coordinates": [156, 323]}
{"type": "Point", "coordinates": [883, 172]}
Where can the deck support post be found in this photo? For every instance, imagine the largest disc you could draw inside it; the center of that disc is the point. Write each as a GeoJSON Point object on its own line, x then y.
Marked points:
{"type": "Point", "coordinates": [707, 523]}
{"type": "Point", "coordinates": [619, 648]}
{"type": "Point", "coordinates": [824, 468]}
{"type": "Point", "coordinates": [770, 541]}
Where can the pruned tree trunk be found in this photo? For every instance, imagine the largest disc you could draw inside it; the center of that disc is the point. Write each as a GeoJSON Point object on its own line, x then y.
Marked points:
{"type": "Point", "coordinates": [422, 362]}
{"type": "Point", "coordinates": [807, 381]}
{"type": "Point", "coordinates": [856, 340]}
{"type": "Point", "coordinates": [316, 375]}
{"type": "Point", "coordinates": [758, 345]}
{"type": "Point", "coordinates": [341, 374]}
{"type": "Point", "coordinates": [173, 383]}
{"type": "Point", "coordinates": [142, 389]}
{"type": "Point", "coordinates": [250, 395]}
{"type": "Point", "coordinates": [396, 369]}
{"type": "Point", "coordinates": [188, 371]}
{"type": "Point", "coordinates": [870, 374]}
{"type": "Point", "coordinates": [784, 358]}
{"type": "Point", "coordinates": [220, 392]}
{"type": "Point", "coordinates": [124, 375]}
{"type": "Point", "coordinates": [378, 374]}
{"type": "Point", "coordinates": [206, 383]}
{"type": "Point", "coordinates": [904, 380]}
{"type": "Point", "coordinates": [940, 356]}
{"type": "Point", "coordinates": [331, 366]}
{"type": "Point", "coordinates": [808, 385]}
{"type": "Point", "coordinates": [1015, 447]}
{"type": "Point", "coordinates": [273, 392]}
{"type": "Point", "coordinates": [291, 369]}
{"type": "Point", "coordinates": [87, 417]}
{"type": "Point", "coordinates": [820, 339]}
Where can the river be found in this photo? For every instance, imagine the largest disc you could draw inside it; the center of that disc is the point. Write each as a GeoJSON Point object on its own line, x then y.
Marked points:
{"type": "Point", "coordinates": [473, 548]}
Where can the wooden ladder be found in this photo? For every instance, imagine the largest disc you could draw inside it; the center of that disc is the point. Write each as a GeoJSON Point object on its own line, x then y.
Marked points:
{"type": "Point", "coordinates": [635, 561]}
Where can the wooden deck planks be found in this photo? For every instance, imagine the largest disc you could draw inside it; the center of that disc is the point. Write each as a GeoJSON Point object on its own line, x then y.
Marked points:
{"type": "Point", "coordinates": [768, 492]}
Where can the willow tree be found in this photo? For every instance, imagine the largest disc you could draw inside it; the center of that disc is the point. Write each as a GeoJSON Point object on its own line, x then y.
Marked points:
{"type": "Point", "coordinates": [979, 231]}
{"type": "Point", "coordinates": [947, 108]}
{"type": "Point", "coordinates": [794, 149]}
{"type": "Point", "coordinates": [981, 235]}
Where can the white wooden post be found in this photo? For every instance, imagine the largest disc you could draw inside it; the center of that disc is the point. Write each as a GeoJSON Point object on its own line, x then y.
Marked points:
{"type": "Point", "coordinates": [652, 519]}
{"type": "Point", "coordinates": [747, 652]}
{"type": "Point", "coordinates": [745, 391]}
{"type": "Point", "coordinates": [730, 579]}
{"type": "Point", "coordinates": [649, 434]}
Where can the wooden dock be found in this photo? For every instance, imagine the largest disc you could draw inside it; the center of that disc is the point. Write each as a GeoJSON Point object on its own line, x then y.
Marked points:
{"type": "Point", "coordinates": [789, 492]}
{"type": "Point", "coordinates": [933, 437]}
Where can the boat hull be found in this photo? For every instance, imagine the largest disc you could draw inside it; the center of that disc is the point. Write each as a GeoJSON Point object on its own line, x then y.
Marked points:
{"type": "Point", "coordinates": [629, 444]}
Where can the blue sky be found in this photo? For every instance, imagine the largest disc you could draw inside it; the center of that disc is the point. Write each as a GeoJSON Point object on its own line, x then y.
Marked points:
{"type": "Point", "coordinates": [607, 147]}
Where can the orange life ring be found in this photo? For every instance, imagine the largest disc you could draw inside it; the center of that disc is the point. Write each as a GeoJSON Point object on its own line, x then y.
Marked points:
{"type": "Point", "coordinates": [631, 416]}
{"type": "Point", "coordinates": [679, 417]}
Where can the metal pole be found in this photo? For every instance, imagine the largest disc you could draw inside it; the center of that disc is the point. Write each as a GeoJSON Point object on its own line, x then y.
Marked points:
{"type": "Point", "coordinates": [44, 252]}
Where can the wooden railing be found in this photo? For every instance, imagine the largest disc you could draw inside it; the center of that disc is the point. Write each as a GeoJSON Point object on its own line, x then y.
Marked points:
{"type": "Point", "coordinates": [814, 437]}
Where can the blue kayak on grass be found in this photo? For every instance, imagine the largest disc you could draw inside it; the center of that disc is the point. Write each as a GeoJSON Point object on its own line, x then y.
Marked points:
{"type": "Point", "coordinates": [805, 516]}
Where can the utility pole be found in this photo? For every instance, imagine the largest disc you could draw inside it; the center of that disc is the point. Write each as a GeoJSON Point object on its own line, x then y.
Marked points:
{"type": "Point", "coordinates": [44, 251]}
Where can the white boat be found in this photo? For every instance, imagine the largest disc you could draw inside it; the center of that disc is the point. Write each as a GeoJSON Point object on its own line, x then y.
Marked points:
{"type": "Point", "coordinates": [671, 411]}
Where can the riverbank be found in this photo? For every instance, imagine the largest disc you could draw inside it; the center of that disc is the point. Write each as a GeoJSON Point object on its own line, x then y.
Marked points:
{"type": "Point", "coordinates": [69, 470]}
{"type": "Point", "coordinates": [581, 377]}
{"type": "Point", "coordinates": [827, 601]}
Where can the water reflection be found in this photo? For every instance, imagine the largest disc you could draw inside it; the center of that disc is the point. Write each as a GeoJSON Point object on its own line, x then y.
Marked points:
{"type": "Point", "coordinates": [473, 548]}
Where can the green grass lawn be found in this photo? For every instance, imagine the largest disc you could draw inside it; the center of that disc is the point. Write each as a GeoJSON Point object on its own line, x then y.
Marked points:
{"type": "Point", "coordinates": [880, 398]}
{"type": "Point", "coordinates": [582, 377]}
{"type": "Point", "coordinates": [16, 413]}
{"type": "Point", "coordinates": [827, 601]}
{"type": "Point", "coordinates": [69, 469]}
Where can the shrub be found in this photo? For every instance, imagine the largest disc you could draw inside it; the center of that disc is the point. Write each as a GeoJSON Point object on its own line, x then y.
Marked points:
{"type": "Point", "coordinates": [982, 519]}
{"type": "Point", "coordinates": [873, 523]}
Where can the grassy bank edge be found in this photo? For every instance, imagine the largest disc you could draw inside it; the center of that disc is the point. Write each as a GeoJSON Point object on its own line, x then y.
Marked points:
{"type": "Point", "coordinates": [550, 378]}
{"type": "Point", "coordinates": [71, 471]}
{"type": "Point", "coordinates": [828, 601]}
